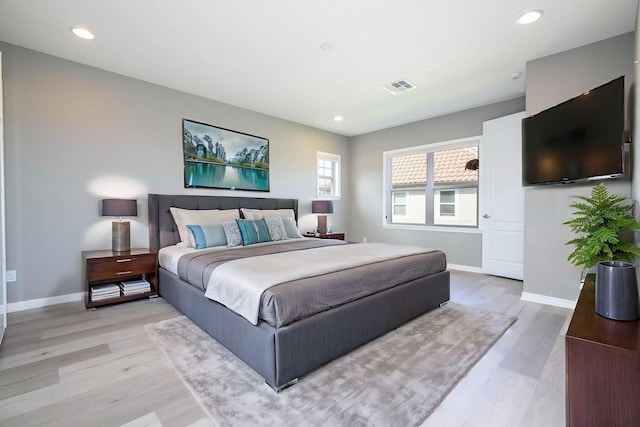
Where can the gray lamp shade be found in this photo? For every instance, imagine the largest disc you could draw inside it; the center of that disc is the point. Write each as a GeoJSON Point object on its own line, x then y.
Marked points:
{"type": "Point", "coordinates": [119, 207]}
{"type": "Point", "coordinates": [322, 206]}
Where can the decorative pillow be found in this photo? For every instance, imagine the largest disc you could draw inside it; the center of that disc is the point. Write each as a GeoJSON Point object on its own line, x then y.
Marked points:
{"type": "Point", "coordinates": [291, 228]}
{"type": "Point", "coordinates": [184, 217]}
{"type": "Point", "coordinates": [232, 233]}
{"type": "Point", "coordinates": [267, 213]}
{"type": "Point", "coordinates": [276, 228]}
{"type": "Point", "coordinates": [207, 236]}
{"type": "Point", "coordinates": [253, 231]}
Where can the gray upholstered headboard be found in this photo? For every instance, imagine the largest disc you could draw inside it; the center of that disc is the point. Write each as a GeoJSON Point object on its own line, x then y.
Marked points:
{"type": "Point", "coordinates": [162, 228]}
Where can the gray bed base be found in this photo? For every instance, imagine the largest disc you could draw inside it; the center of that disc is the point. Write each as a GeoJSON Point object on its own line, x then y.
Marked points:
{"type": "Point", "coordinates": [281, 355]}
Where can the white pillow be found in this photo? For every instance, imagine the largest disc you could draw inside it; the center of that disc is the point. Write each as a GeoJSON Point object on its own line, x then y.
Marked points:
{"type": "Point", "coordinates": [184, 217]}
{"type": "Point", "coordinates": [267, 213]}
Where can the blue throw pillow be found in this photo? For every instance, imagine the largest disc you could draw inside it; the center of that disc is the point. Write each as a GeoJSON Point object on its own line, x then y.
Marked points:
{"type": "Point", "coordinates": [207, 236]}
{"type": "Point", "coordinates": [253, 231]}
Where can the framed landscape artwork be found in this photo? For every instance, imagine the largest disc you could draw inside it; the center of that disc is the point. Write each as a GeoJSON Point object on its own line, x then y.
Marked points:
{"type": "Point", "coordinates": [215, 157]}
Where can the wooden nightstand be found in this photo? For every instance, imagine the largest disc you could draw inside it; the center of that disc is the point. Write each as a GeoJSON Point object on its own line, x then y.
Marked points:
{"type": "Point", "coordinates": [104, 267]}
{"type": "Point", "coordinates": [338, 236]}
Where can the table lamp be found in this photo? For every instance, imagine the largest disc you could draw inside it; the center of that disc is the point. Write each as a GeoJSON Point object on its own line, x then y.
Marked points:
{"type": "Point", "coordinates": [322, 207]}
{"type": "Point", "coordinates": [120, 230]}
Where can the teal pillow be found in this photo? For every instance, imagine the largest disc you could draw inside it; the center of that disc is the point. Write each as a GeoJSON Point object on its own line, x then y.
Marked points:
{"type": "Point", "coordinates": [207, 236]}
{"type": "Point", "coordinates": [253, 231]}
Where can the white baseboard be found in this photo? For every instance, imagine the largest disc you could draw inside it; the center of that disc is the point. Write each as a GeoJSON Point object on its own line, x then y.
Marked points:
{"type": "Point", "coordinates": [467, 268]}
{"type": "Point", "coordinates": [43, 302]}
{"type": "Point", "coordinates": [79, 296]}
{"type": "Point", "coordinates": [544, 299]}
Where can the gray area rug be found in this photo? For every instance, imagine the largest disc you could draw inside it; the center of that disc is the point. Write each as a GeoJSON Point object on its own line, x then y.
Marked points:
{"type": "Point", "coordinates": [396, 380]}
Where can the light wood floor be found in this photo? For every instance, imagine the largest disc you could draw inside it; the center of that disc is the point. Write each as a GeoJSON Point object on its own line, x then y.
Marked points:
{"type": "Point", "coordinates": [63, 365]}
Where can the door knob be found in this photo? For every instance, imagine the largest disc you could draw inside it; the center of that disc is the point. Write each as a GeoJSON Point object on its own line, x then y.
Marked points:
{"type": "Point", "coordinates": [486, 216]}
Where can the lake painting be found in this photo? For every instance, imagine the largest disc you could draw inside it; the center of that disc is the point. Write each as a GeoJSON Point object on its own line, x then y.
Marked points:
{"type": "Point", "coordinates": [221, 158]}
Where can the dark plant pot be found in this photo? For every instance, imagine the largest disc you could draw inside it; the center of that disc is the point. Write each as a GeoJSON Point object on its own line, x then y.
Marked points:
{"type": "Point", "coordinates": [617, 294]}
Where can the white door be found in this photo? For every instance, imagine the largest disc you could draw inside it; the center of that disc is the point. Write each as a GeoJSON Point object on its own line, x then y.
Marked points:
{"type": "Point", "coordinates": [502, 199]}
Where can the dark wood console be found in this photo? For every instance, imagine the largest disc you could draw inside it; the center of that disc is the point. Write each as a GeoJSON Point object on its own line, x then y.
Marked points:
{"type": "Point", "coordinates": [603, 367]}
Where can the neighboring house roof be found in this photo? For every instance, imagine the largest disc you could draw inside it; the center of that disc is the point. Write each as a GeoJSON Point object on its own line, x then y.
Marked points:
{"type": "Point", "coordinates": [449, 167]}
{"type": "Point", "coordinates": [408, 171]}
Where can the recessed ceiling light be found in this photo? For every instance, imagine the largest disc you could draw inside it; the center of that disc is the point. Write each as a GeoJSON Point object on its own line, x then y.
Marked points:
{"type": "Point", "coordinates": [326, 46]}
{"type": "Point", "coordinates": [529, 16]}
{"type": "Point", "coordinates": [82, 33]}
{"type": "Point", "coordinates": [337, 118]}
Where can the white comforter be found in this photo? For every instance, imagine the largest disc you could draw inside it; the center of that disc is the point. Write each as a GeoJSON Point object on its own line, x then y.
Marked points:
{"type": "Point", "coordinates": [239, 284]}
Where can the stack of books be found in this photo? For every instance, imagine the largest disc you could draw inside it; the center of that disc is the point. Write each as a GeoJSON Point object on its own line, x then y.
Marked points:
{"type": "Point", "coordinates": [106, 291]}
{"type": "Point", "coordinates": [133, 287]}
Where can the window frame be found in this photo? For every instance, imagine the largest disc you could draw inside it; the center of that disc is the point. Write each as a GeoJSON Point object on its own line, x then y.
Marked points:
{"type": "Point", "coordinates": [474, 141]}
{"type": "Point", "coordinates": [335, 174]}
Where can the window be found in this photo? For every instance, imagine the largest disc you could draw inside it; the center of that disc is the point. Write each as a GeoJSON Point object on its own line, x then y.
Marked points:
{"type": "Point", "coordinates": [435, 185]}
{"type": "Point", "coordinates": [400, 203]}
{"type": "Point", "coordinates": [328, 175]}
{"type": "Point", "coordinates": [447, 202]}
{"type": "Point", "coordinates": [408, 207]}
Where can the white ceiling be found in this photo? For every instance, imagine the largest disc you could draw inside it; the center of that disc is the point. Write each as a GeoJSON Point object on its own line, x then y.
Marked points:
{"type": "Point", "coordinates": [265, 55]}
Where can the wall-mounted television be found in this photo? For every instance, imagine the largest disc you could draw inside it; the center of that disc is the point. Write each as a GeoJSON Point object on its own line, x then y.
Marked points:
{"type": "Point", "coordinates": [580, 140]}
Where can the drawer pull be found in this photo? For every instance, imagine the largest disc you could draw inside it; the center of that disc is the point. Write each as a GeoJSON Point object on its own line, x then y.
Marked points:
{"type": "Point", "coordinates": [123, 272]}
{"type": "Point", "coordinates": [124, 260]}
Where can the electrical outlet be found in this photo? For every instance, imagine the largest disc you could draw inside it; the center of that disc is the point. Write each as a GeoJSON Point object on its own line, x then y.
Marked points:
{"type": "Point", "coordinates": [11, 275]}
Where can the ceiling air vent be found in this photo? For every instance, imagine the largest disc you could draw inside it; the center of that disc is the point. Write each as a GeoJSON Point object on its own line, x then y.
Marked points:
{"type": "Point", "coordinates": [398, 86]}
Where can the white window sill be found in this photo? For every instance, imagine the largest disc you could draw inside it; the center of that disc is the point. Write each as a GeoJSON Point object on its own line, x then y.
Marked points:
{"type": "Point", "coordinates": [438, 228]}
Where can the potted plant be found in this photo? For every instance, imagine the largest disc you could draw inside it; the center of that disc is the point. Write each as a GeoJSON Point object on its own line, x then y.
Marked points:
{"type": "Point", "coordinates": [601, 221]}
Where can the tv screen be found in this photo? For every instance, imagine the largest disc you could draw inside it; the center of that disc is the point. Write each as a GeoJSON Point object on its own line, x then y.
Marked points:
{"type": "Point", "coordinates": [578, 140]}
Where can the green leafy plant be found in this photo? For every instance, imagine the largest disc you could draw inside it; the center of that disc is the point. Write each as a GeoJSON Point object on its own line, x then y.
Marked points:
{"type": "Point", "coordinates": [599, 221]}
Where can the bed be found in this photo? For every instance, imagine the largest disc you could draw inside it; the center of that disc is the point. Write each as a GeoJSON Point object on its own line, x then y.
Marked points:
{"type": "Point", "coordinates": [281, 353]}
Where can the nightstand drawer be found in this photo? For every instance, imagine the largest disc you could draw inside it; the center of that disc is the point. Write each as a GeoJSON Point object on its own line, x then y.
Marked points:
{"type": "Point", "coordinates": [123, 266]}
{"type": "Point", "coordinates": [337, 236]}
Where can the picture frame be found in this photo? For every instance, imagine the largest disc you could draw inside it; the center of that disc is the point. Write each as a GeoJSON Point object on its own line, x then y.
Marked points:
{"type": "Point", "coordinates": [216, 157]}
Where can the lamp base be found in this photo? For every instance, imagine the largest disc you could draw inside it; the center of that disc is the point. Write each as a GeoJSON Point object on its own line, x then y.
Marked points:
{"type": "Point", "coordinates": [120, 236]}
{"type": "Point", "coordinates": [322, 224]}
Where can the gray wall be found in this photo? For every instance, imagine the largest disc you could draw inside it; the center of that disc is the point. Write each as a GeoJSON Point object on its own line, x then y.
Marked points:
{"type": "Point", "coordinates": [552, 80]}
{"type": "Point", "coordinates": [366, 203]}
{"type": "Point", "coordinates": [75, 134]}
